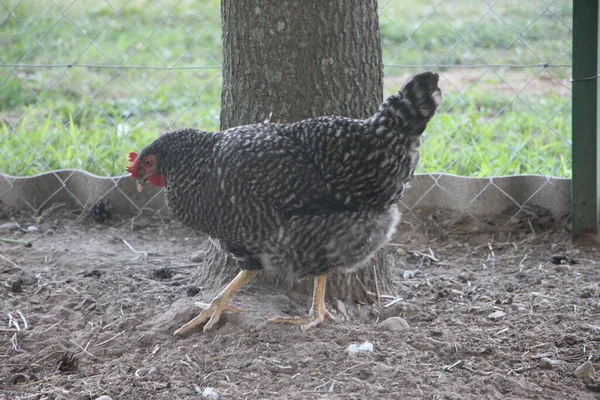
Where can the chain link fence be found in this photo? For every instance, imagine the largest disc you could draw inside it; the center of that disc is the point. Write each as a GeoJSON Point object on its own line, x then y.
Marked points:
{"type": "Point", "coordinates": [83, 83]}
{"type": "Point", "coordinates": [505, 67]}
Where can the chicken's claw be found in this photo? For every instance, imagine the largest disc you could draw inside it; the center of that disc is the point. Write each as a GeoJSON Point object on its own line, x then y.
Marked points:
{"type": "Point", "coordinates": [307, 322]}
{"type": "Point", "coordinates": [318, 313]}
{"type": "Point", "coordinates": [316, 320]}
{"type": "Point", "coordinates": [211, 313]}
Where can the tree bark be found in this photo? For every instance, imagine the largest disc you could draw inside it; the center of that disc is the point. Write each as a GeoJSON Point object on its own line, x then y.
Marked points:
{"type": "Point", "coordinates": [293, 60]}
{"type": "Point", "coordinates": [288, 60]}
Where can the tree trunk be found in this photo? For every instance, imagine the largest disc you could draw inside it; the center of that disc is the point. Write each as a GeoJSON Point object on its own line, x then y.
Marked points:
{"type": "Point", "coordinates": [288, 60]}
{"type": "Point", "coordinates": [293, 60]}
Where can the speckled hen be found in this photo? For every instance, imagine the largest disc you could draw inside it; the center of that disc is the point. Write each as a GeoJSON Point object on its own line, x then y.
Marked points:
{"type": "Point", "coordinates": [303, 198]}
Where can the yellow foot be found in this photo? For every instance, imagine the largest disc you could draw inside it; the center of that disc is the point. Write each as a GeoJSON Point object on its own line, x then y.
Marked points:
{"type": "Point", "coordinates": [318, 313]}
{"type": "Point", "coordinates": [212, 313]}
{"type": "Point", "coordinates": [307, 322]}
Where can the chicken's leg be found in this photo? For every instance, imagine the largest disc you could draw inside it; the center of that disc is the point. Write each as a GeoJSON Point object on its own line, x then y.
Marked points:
{"type": "Point", "coordinates": [219, 304]}
{"type": "Point", "coordinates": [318, 313]}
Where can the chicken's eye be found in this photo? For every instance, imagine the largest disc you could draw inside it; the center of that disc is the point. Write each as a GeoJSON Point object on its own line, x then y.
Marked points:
{"type": "Point", "coordinates": [147, 163]}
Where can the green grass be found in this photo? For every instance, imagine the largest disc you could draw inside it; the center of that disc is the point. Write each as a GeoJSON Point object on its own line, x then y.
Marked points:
{"type": "Point", "coordinates": [517, 141]}
{"type": "Point", "coordinates": [91, 117]}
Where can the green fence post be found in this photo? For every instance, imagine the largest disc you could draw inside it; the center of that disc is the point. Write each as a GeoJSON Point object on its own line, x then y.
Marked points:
{"type": "Point", "coordinates": [585, 205]}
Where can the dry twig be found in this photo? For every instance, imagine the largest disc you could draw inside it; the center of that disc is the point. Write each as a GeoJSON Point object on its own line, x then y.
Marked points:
{"type": "Point", "coordinates": [377, 285]}
{"type": "Point", "coordinates": [16, 241]}
{"type": "Point", "coordinates": [14, 264]}
{"type": "Point", "coordinates": [459, 364]}
{"type": "Point", "coordinates": [109, 339]}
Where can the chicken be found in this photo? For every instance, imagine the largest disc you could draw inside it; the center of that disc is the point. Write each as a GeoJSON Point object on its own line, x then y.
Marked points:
{"type": "Point", "coordinates": [302, 198]}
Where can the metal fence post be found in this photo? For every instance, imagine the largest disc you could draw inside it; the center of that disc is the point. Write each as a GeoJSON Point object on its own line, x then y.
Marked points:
{"type": "Point", "coordinates": [586, 160]}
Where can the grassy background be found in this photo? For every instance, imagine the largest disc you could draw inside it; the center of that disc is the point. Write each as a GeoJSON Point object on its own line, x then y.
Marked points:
{"type": "Point", "coordinates": [494, 121]}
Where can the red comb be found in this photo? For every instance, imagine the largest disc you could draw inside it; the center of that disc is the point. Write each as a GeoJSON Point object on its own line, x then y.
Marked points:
{"type": "Point", "coordinates": [133, 168]}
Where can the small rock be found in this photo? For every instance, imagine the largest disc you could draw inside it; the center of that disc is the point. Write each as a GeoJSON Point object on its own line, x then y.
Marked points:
{"type": "Point", "coordinates": [548, 363]}
{"type": "Point", "coordinates": [210, 393]}
{"type": "Point", "coordinates": [364, 374]}
{"type": "Point", "coordinates": [365, 348]}
{"type": "Point", "coordinates": [562, 268]}
{"type": "Point", "coordinates": [586, 372]}
{"type": "Point", "coordinates": [365, 311]}
{"type": "Point", "coordinates": [588, 293]}
{"type": "Point", "coordinates": [10, 226]}
{"type": "Point", "coordinates": [93, 273]}
{"type": "Point", "coordinates": [185, 392]}
{"type": "Point", "coordinates": [104, 397]}
{"type": "Point", "coordinates": [571, 340]}
{"type": "Point", "coordinates": [192, 290]}
{"type": "Point", "coordinates": [341, 307]}
{"type": "Point", "coordinates": [282, 302]}
{"type": "Point", "coordinates": [20, 378]}
{"type": "Point", "coordinates": [558, 259]}
{"type": "Point", "coordinates": [381, 368]}
{"type": "Point", "coordinates": [16, 287]}
{"type": "Point", "coordinates": [50, 232]}
{"type": "Point", "coordinates": [401, 252]}
{"type": "Point", "coordinates": [257, 365]}
{"type": "Point", "coordinates": [101, 211]}
{"type": "Point", "coordinates": [403, 309]}
{"type": "Point", "coordinates": [483, 298]}
{"type": "Point", "coordinates": [71, 290]}
{"type": "Point", "coordinates": [496, 315]}
{"type": "Point", "coordinates": [394, 324]}
{"type": "Point", "coordinates": [197, 256]}
{"type": "Point", "coordinates": [33, 229]}
{"type": "Point", "coordinates": [162, 274]}
{"type": "Point", "coordinates": [411, 273]}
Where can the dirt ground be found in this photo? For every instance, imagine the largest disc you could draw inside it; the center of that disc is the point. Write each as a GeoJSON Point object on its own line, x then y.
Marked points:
{"type": "Point", "coordinates": [508, 82]}
{"type": "Point", "coordinates": [490, 317]}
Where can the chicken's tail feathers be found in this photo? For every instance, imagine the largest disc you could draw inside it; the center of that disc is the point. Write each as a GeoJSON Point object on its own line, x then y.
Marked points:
{"type": "Point", "coordinates": [412, 107]}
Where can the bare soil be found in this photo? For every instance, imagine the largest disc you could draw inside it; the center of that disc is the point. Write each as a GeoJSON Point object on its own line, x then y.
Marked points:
{"type": "Point", "coordinates": [510, 82]}
{"type": "Point", "coordinates": [101, 302]}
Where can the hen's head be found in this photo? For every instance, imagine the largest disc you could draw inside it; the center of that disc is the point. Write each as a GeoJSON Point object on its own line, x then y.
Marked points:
{"type": "Point", "coordinates": [144, 168]}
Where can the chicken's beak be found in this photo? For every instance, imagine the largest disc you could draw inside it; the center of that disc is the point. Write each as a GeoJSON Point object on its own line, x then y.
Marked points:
{"type": "Point", "coordinates": [140, 184]}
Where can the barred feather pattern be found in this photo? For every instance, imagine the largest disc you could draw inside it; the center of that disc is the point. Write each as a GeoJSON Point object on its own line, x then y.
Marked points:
{"type": "Point", "coordinates": [304, 197]}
